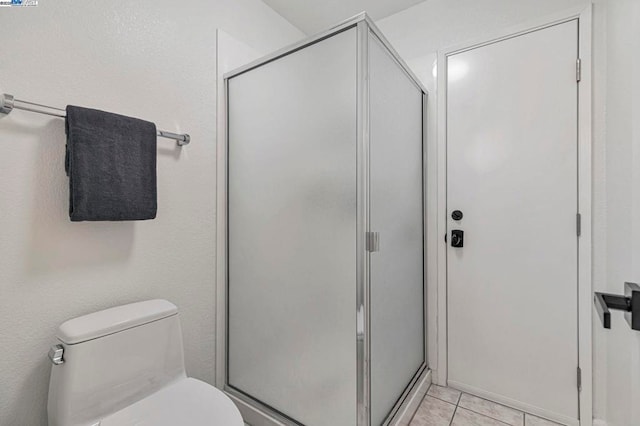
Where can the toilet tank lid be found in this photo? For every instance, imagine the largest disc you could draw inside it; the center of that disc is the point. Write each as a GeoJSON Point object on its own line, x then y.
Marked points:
{"type": "Point", "coordinates": [113, 320]}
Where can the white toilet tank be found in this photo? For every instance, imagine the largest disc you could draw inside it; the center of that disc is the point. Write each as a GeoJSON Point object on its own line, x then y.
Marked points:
{"type": "Point", "coordinates": [112, 359]}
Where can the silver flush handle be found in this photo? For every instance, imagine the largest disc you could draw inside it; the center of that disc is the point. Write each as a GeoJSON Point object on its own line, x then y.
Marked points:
{"type": "Point", "coordinates": [6, 103]}
{"type": "Point", "coordinates": [55, 354]}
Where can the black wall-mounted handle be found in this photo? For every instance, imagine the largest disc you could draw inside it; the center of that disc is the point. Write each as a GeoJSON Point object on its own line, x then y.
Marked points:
{"type": "Point", "coordinates": [629, 303]}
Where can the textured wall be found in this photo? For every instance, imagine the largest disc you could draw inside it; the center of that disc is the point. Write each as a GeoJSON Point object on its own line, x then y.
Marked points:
{"type": "Point", "coordinates": [153, 59]}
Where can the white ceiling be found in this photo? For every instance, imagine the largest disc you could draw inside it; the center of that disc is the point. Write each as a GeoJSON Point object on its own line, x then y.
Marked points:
{"type": "Point", "coordinates": [312, 16]}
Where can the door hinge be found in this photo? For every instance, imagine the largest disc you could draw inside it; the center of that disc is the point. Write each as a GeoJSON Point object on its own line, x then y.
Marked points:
{"type": "Point", "coordinates": [579, 379]}
{"type": "Point", "coordinates": [578, 224]}
{"type": "Point", "coordinates": [578, 70]}
{"type": "Point", "coordinates": [373, 241]}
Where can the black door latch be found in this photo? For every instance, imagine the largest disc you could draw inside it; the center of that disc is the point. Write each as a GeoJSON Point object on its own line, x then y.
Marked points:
{"type": "Point", "coordinates": [457, 238]}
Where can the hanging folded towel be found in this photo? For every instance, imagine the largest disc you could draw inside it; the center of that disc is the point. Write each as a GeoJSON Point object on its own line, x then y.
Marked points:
{"type": "Point", "coordinates": [111, 164]}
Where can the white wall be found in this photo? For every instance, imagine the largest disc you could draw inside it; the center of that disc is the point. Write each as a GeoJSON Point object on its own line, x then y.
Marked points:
{"type": "Point", "coordinates": [419, 32]}
{"type": "Point", "coordinates": [620, 70]}
{"type": "Point", "coordinates": [153, 59]}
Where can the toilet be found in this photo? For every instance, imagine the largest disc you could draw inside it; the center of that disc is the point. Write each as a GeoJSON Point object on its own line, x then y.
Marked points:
{"type": "Point", "coordinates": [124, 366]}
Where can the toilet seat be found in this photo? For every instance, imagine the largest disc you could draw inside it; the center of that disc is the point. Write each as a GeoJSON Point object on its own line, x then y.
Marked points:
{"type": "Point", "coordinates": [187, 402]}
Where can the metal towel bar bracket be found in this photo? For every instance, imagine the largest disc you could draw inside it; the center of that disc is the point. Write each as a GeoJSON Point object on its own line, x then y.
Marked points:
{"type": "Point", "coordinates": [8, 103]}
{"type": "Point", "coordinates": [629, 303]}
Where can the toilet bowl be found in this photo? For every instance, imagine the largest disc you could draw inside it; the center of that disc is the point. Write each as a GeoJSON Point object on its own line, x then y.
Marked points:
{"type": "Point", "coordinates": [124, 366]}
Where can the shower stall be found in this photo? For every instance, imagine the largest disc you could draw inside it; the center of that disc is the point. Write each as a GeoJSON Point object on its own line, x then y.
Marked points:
{"type": "Point", "coordinates": [325, 293]}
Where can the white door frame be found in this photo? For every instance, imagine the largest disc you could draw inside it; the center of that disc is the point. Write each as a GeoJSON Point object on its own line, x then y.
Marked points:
{"type": "Point", "coordinates": [584, 16]}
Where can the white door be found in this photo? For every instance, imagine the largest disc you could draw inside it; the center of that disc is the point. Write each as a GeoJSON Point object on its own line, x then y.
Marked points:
{"type": "Point", "coordinates": [512, 172]}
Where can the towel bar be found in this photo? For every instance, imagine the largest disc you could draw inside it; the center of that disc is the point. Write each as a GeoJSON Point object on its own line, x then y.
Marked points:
{"type": "Point", "coordinates": [629, 303]}
{"type": "Point", "coordinates": [8, 104]}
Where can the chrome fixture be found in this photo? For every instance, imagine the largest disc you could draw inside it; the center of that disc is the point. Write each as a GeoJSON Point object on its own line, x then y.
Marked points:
{"type": "Point", "coordinates": [373, 241]}
{"type": "Point", "coordinates": [8, 103]}
{"type": "Point", "coordinates": [55, 354]}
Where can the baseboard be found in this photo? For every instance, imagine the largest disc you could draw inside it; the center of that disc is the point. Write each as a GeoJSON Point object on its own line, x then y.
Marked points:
{"type": "Point", "coordinates": [518, 405]}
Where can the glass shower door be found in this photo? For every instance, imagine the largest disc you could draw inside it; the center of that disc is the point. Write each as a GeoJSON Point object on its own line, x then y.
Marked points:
{"type": "Point", "coordinates": [324, 144]}
{"type": "Point", "coordinates": [292, 233]}
{"type": "Point", "coordinates": [396, 213]}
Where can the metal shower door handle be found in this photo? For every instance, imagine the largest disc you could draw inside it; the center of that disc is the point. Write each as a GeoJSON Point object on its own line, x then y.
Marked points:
{"type": "Point", "coordinates": [373, 241]}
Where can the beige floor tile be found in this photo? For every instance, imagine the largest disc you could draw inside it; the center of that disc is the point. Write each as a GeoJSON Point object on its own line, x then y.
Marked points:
{"type": "Point", "coordinates": [530, 420]}
{"type": "Point", "coordinates": [491, 409]}
{"type": "Point", "coordinates": [464, 417]}
{"type": "Point", "coordinates": [433, 412]}
{"type": "Point", "coordinates": [445, 394]}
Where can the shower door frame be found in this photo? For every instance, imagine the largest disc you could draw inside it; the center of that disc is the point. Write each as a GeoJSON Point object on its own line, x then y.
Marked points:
{"type": "Point", "coordinates": [252, 409]}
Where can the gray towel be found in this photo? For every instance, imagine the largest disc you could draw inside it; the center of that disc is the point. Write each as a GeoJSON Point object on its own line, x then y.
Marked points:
{"type": "Point", "coordinates": [111, 164]}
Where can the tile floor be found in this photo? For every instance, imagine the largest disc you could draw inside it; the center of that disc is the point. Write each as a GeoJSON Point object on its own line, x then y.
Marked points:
{"type": "Point", "coordinates": [449, 407]}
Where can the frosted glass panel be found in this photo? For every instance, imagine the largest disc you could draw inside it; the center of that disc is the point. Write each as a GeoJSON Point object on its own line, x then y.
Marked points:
{"type": "Point", "coordinates": [292, 233]}
{"type": "Point", "coordinates": [397, 324]}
